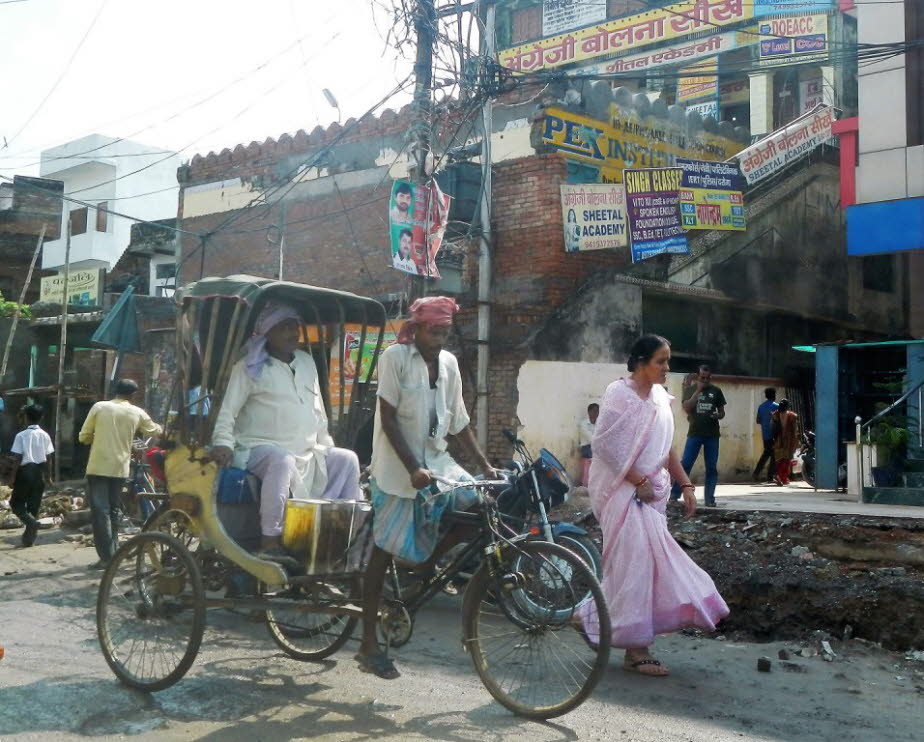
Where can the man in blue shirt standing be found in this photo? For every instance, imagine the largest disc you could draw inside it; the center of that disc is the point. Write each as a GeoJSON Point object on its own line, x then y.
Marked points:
{"type": "Point", "coordinates": [764, 414]}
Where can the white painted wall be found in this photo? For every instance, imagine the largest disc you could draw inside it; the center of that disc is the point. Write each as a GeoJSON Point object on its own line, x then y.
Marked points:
{"type": "Point", "coordinates": [553, 398]}
{"type": "Point", "coordinates": [98, 168]}
{"type": "Point", "coordinates": [888, 169]}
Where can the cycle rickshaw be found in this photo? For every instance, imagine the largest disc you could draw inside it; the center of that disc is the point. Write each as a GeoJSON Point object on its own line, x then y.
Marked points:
{"type": "Point", "coordinates": [520, 611]}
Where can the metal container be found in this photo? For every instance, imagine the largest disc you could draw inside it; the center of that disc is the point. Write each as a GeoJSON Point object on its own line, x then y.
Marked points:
{"type": "Point", "coordinates": [327, 536]}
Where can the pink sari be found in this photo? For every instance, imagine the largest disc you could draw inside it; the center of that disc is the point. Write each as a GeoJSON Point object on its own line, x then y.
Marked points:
{"type": "Point", "coordinates": [651, 585]}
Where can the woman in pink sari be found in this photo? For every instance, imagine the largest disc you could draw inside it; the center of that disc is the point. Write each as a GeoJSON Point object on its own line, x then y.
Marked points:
{"type": "Point", "coordinates": [652, 587]}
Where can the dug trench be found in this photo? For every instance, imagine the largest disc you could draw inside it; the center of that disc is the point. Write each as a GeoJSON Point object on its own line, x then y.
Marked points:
{"type": "Point", "coordinates": [793, 576]}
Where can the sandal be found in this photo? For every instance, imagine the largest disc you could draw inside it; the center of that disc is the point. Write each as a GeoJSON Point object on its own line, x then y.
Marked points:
{"type": "Point", "coordinates": [379, 665]}
{"type": "Point", "coordinates": [647, 662]}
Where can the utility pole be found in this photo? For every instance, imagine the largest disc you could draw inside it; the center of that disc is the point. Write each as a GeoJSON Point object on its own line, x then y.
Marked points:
{"type": "Point", "coordinates": [425, 26]}
{"type": "Point", "coordinates": [484, 251]}
{"type": "Point", "coordinates": [22, 299]}
{"type": "Point", "coordinates": [59, 399]}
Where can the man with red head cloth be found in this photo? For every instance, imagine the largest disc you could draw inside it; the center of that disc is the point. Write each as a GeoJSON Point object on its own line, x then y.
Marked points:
{"type": "Point", "coordinates": [272, 422]}
{"type": "Point", "coordinates": [419, 405]}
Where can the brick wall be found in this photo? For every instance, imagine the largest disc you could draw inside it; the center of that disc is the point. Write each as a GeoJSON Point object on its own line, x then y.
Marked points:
{"type": "Point", "coordinates": [331, 243]}
{"type": "Point", "coordinates": [533, 276]}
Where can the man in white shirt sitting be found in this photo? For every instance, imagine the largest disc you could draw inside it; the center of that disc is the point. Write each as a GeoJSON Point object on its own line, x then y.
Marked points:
{"type": "Point", "coordinates": [272, 422]}
{"type": "Point", "coordinates": [32, 451]}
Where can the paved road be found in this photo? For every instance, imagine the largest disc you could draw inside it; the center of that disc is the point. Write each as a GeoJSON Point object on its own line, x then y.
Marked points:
{"type": "Point", "coordinates": [55, 686]}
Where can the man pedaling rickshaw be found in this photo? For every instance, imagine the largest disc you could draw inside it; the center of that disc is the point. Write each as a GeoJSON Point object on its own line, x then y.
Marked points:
{"type": "Point", "coordinates": [272, 423]}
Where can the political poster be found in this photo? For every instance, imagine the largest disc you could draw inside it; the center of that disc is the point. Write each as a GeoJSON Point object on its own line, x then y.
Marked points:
{"type": "Point", "coordinates": [653, 207]}
{"type": "Point", "coordinates": [594, 216]}
{"type": "Point", "coordinates": [417, 217]}
{"type": "Point", "coordinates": [711, 195]}
{"type": "Point", "coordinates": [771, 154]}
{"type": "Point", "coordinates": [357, 349]}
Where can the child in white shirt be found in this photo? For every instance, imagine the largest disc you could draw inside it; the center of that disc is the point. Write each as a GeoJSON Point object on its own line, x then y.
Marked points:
{"type": "Point", "coordinates": [32, 450]}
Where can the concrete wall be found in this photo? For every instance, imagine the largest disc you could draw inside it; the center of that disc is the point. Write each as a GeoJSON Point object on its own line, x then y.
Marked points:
{"type": "Point", "coordinates": [553, 399]}
{"type": "Point", "coordinates": [109, 175]}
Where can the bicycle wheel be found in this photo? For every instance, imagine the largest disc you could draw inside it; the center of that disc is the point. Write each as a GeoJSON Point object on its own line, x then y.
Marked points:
{"type": "Point", "coordinates": [520, 629]}
{"type": "Point", "coordinates": [305, 635]}
{"type": "Point", "coordinates": [150, 612]}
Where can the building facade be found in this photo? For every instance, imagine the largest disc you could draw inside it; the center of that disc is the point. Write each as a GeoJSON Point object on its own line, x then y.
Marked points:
{"type": "Point", "coordinates": [102, 175]}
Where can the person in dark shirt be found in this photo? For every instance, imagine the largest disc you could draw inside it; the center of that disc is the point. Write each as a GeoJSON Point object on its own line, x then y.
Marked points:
{"type": "Point", "coordinates": [764, 415]}
{"type": "Point", "coordinates": [704, 404]}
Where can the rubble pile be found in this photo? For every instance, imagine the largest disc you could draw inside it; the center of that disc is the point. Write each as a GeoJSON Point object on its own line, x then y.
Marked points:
{"type": "Point", "coordinates": [785, 575]}
{"type": "Point", "coordinates": [57, 506]}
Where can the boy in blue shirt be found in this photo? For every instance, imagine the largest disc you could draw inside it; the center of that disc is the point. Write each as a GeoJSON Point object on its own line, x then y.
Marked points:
{"type": "Point", "coordinates": [764, 415]}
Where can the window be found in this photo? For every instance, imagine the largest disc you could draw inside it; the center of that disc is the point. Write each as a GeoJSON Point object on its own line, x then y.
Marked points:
{"type": "Point", "coordinates": [78, 221]}
{"type": "Point", "coordinates": [102, 217]}
{"type": "Point", "coordinates": [879, 273]}
{"type": "Point", "coordinates": [526, 24]}
{"type": "Point", "coordinates": [164, 279]}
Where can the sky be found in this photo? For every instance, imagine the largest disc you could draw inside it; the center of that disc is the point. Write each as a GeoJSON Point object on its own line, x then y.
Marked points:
{"type": "Point", "coordinates": [186, 75]}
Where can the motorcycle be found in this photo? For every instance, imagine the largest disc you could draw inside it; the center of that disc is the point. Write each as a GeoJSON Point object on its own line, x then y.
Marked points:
{"type": "Point", "coordinates": [807, 454]}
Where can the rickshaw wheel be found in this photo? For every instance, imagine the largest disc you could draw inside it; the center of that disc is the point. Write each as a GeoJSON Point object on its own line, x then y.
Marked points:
{"type": "Point", "coordinates": [178, 524]}
{"type": "Point", "coordinates": [305, 635]}
{"type": "Point", "coordinates": [150, 611]}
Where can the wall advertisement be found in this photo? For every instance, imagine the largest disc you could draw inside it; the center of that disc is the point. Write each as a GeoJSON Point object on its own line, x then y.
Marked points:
{"type": "Point", "coordinates": [705, 108]}
{"type": "Point", "coordinates": [792, 39]}
{"type": "Point", "coordinates": [773, 153]}
{"type": "Point", "coordinates": [775, 7]}
{"type": "Point", "coordinates": [84, 288]}
{"type": "Point", "coordinates": [594, 216]}
{"type": "Point", "coordinates": [811, 94]}
{"type": "Point", "coordinates": [625, 34]}
{"type": "Point", "coordinates": [417, 217]}
{"type": "Point", "coordinates": [563, 15]}
{"type": "Point", "coordinates": [356, 349]}
{"type": "Point", "coordinates": [676, 53]}
{"type": "Point", "coordinates": [627, 141]}
{"type": "Point", "coordinates": [711, 195]}
{"type": "Point", "coordinates": [653, 200]}
{"type": "Point", "coordinates": [698, 82]}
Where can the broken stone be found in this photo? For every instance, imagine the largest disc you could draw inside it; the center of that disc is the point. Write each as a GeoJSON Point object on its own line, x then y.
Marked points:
{"type": "Point", "coordinates": [720, 638]}
{"type": "Point", "coordinates": [807, 652]}
{"type": "Point", "coordinates": [848, 632]}
{"type": "Point", "coordinates": [807, 556]}
{"type": "Point", "coordinates": [826, 648]}
{"type": "Point", "coordinates": [77, 518]}
{"type": "Point", "coordinates": [764, 664]}
{"type": "Point", "coordinates": [893, 571]}
{"type": "Point", "coordinates": [783, 654]}
{"type": "Point", "coordinates": [793, 667]}
{"type": "Point", "coordinates": [73, 537]}
{"type": "Point", "coordinates": [916, 656]}
{"type": "Point", "coordinates": [798, 551]}
{"type": "Point", "coordinates": [10, 521]}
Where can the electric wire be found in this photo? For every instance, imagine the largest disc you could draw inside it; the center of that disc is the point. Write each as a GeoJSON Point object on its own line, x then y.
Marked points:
{"type": "Point", "coordinates": [67, 67]}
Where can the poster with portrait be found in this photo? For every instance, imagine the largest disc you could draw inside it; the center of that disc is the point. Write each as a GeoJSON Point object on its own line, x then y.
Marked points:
{"type": "Point", "coordinates": [417, 217]}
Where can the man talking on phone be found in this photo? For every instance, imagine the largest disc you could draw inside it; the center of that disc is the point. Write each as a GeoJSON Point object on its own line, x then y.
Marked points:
{"type": "Point", "coordinates": [704, 404]}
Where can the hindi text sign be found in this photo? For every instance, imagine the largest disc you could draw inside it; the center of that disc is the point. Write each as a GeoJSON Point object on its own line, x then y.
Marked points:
{"type": "Point", "coordinates": [625, 34]}
{"type": "Point", "coordinates": [84, 288]}
{"type": "Point", "coordinates": [653, 205]}
{"type": "Point", "coordinates": [711, 195]}
{"type": "Point", "coordinates": [564, 15]}
{"type": "Point", "coordinates": [594, 216]}
{"type": "Point", "coordinates": [773, 153]}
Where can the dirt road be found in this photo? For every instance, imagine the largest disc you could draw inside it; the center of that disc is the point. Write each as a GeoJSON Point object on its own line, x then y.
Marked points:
{"type": "Point", "coordinates": [54, 684]}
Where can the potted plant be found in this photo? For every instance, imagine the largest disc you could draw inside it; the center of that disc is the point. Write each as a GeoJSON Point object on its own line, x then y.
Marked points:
{"type": "Point", "coordinates": [890, 436]}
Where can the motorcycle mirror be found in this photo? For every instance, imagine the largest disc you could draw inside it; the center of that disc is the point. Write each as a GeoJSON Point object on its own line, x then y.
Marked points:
{"type": "Point", "coordinates": [509, 435]}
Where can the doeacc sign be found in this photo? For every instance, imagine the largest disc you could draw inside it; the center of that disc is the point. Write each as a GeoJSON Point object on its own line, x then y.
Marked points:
{"type": "Point", "coordinates": [84, 288]}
